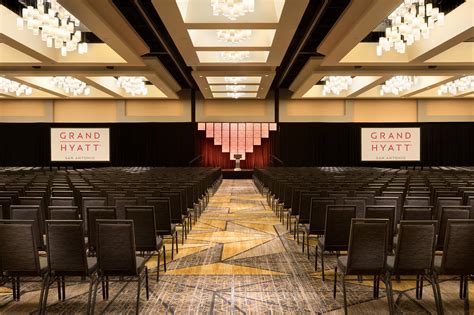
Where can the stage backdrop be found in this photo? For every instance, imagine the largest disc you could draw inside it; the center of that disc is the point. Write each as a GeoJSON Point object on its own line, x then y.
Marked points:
{"type": "Point", "coordinates": [390, 144]}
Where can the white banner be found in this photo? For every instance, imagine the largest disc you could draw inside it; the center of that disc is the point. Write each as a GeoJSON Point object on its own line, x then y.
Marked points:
{"type": "Point", "coordinates": [390, 144]}
{"type": "Point", "coordinates": [80, 144]}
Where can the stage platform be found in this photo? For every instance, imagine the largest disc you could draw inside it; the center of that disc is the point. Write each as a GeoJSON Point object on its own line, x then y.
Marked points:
{"type": "Point", "coordinates": [243, 174]}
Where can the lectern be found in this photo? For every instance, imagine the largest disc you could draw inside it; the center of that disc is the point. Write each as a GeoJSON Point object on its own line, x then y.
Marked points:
{"type": "Point", "coordinates": [237, 158]}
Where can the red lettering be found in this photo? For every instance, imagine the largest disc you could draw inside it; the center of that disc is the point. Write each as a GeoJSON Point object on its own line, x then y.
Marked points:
{"type": "Point", "coordinates": [374, 147]}
{"type": "Point", "coordinates": [407, 135]}
{"type": "Point", "coordinates": [63, 147]}
{"type": "Point", "coordinates": [62, 135]}
{"type": "Point", "coordinates": [96, 135]}
{"type": "Point", "coordinates": [373, 135]}
{"type": "Point", "coordinates": [96, 146]}
{"type": "Point", "coordinates": [71, 135]}
{"type": "Point", "coordinates": [382, 135]}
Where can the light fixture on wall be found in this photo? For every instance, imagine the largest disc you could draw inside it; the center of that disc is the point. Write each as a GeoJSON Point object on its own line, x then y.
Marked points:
{"type": "Point", "coordinates": [235, 88]}
{"type": "Point", "coordinates": [234, 36]}
{"type": "Point", "coordinates": [56, 26]}
{"type": "Point", "coordinates": [133, 85]}
{"type": "Point", "coordinates": [234, 80]}
{"type": "Point", "coordinates": [336, 84]}
{"type": "Point", "coordinates": [232, 9]}
{"type": "Point", "coordinates": [398, 84]}
{"type": "Point", "coordinates": [234, 56]}
{"type": "Point", "coordinates": [410, 22]}
{"type": "Point", "coordinates": [462, 85]}
{"type": "Point", "coordinates": [10, 86]}
{"type": "Point", "coordinates": [71, 85]}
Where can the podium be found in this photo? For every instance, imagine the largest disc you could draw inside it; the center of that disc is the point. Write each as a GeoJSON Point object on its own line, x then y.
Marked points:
{"type": "Point", "coordinates": [237, 158]}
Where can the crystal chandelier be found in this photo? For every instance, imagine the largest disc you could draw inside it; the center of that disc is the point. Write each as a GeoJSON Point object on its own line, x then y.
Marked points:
{"type": "Point", "coordinates": [72, 86]}
{"type": "Point", "coordinates": [9, 86]}
{"type": "Point", "coordinates": [460, 85]}
{"type": "Point", "coordinates": [235, 94]}
{"type": "Point", "coordinates": [336, 84]}
{"type": "Point", "coordinates": [235, 88]}
{"type": "Point", "coordinates": [234, 36]}
{"type": "Point", "coordinates": [410, 22]}
{"type": "Point", "coordinates": [398, 84]}
{"type": "Point", "coordinates": [56, 26]}
{"type": "Point", "coordinates": [235, 56]}
{"type": "Point", "coordinates": [234, 80]}
{"type": "Point", "coordinates": [232, 9]}
{"type": "Point", "coordinates": [133, 85]}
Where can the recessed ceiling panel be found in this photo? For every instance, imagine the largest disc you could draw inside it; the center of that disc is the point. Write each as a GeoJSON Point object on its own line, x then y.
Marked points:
{"type": "Point", "coordinates": [234, 88]}
{"type": "Point", "coordinates": [215, 38]}
{"type": "Point", "coordinates": [223, 57]}
{"type": "Point", "coordinates": [234, 80]}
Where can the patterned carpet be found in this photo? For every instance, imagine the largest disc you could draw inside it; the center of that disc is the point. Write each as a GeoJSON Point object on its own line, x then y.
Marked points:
{"type": "Point", "coordinates": [238, 259]}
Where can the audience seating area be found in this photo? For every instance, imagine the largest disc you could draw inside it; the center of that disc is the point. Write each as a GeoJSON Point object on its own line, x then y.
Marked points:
{"type": "Point", "coordinates": [392, 225]}
{"type": "Point", "coordinates": [91, 223]}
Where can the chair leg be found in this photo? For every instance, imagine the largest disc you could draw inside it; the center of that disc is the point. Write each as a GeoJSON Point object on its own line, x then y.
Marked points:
{"type": "Point", "coordinates": [344, 293]}
{"type": "Point", "coordinates": [158, 266]}
{"type": "Point", "coordinates": [462, 283]}
{"type": "Point", "coordinates": [147, 289]}
{"type": "Point", "coordinates": [63, 281]}
{"type": "Point", "coordinates": [172, 247]}
{"type": "Point", "coordinates": [182, 235]}
{"type": "Point", "coordinates": [316, 260]}
{"type": "Point", "coordinates": [296, 231]}
{"type": "Point", "coordinates": [307, 245]}
{"type": "Point", "coordinates": [335, 282]}
{"type": "Point", "coordinates": [440, 300]}
{"type": "Point", "coordinates": [104, 290]}
{"type": "Point", "coordinates": [435, 292]}
{"type": "Point", "coordinates": [44, 294]}
{"type": "Point", "coordinates": [322, 264]}
{"type": "Point", "coordinates": [94, 294]}
{"type": "Point", "coordinates": [302, 246]}
{"type": "Point", "coordinates": [18, 283]}
{"type": "Point", "coordinates": [139, 284]}
{"type": "Point", "coordinates": [466, 294]}
{"type": "Point", "coordinates": [164, 257]}
{"type": "Point", "coordinates": [388, 285]}
{"type": "Point", "coordinates": [89, 295]}
{"type": "Point", "coordinates": [376, 286]}
{"type": "Point", "coordinates": [177, 240]}
{"type": "Point", "coordinates": [58, 281]}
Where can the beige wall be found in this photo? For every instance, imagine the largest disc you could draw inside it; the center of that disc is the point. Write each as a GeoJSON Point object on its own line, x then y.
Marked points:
{"type": "Point", "coordinates": [385, 111]}
{"type": "Point", "coordinates": [32, 108]}
{"type": "Point", "coordinates": [85, 111]}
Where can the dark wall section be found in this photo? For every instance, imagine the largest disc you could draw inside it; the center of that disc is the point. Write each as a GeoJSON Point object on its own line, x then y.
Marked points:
{"type": "Point", "coordinates": [338, 144]}
{"type": "Point", "coordinates": [131, 144]}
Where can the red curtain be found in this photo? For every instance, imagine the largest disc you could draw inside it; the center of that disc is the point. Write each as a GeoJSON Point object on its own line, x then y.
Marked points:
{"type": "Point", "coordinates": [212, 154]}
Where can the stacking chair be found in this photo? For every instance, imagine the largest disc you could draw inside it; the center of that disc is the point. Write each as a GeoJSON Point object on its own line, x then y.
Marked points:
{"type": "Point", "coordinates": [163, 220]}
{"type": "Point", "coordinates": [61, 201]}
{"type": "Point", "coordinates": [417, 201]}
{"type": "Point", "coordinates": [116, 257]}
{"type": "Point", "coordinates": [5, 203]}
{"type": "Point", "coordinates": [37, 201]}
{"type": "Point", "coordinates": [146, 240]}
{"type": "Point", "coordinates": [19, 256]}
{"type": "Point", "coordinates": [67, 256]}
{"type": "Point", "coordinates": [121, 202]}
{"type": "Point", "coordinates": [443, 202]}
{"type": "Point", "coordinates": [336, 232]}
{"type": "Point", "coordinates": [358, 202]}
{"type": "Point", "coordinates": [87, 202]}
{"type": "Point", "coordinates": [448, 213]}
{"type": "Point", "coordinates": [414, 254]}
{"type": "Point", "coordinates": [304, 210]}
{"type": "Point", "coordinates": [417, 213]}
{"type": "Point", "coordinates": [457, 259]}
{"type": "Point", "coordinates": [366, 255]}
{"type": "Point", "coordinates": [30, 212]}
{"type": "Point", "coordinates": [63, 213]}
{"type": "Point", "coordinates": [383, 212]}
{"type": "Point", "coordinates": [317, 219]}
{"type": "Point", "coordinates": [177, 217]}
{"type": "Point", "coordinates": [94, 214]}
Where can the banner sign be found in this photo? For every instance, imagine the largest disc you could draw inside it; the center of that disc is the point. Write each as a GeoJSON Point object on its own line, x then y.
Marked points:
{"type": "Point", "coordinates": [80, 144]}
{"type": "Point", "coordinates": [390, 144]}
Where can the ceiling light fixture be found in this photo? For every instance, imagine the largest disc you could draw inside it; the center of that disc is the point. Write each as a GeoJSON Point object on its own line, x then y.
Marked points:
{"type": "Point", "coordinates": [410, 22]}
{"type": "Point", "coordinates": [234, 80]}
{"type": "Point", "coordinates": [460, 85]}
{"type": "Point", "coordinates": [72, 85]}
{"type": "Point", "coordinates": [336, 84]}
{"type": "Point", "coordinates": [234, 56]}
{"type": "Point", "coordinates": [235, 94]}
{"type": "Point", "coordinates": [235, 88]}
{"type": "Point", "coordinates": [232, 9]}
{"type": "Point", "coordinates": [56, 26]}
{"type": "Point", "coordinates": [398, 84]}
{"type": "Point", "coordinates": [10, 86]}
{"type": "Point", "coordinates": [133, 85]}
{"type": "Point", "coordinates": [234, 36]}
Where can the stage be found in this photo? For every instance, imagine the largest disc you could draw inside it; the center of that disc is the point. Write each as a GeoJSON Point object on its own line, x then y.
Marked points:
{"type": "Point", "coordinates": [243, 174]}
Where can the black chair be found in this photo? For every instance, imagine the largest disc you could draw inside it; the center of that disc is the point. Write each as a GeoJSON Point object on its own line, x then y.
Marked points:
{"type": "Point", "coordinates": [448, 213]}
{"type": "Point", "coordinates": [336, 232]}
{"type": "Point", "coordinates": [93, 214]}
{"type": "Point", "coordinates": [116, 256]}
{"type": "Point", "coordinates": [63, 213]}
{"type": "Point", "coordinates": [19, 255]}
{"type": "Point", "coordinates": [143, 218]}
{"type": "Point", "coordinates": [121, 202]}
{"type": "Point", "coordinates": [87, 202]}
{"type": "Point", "coordinates": [177, 217]}
{"type": "Point", "coordinates": [163, 220]}
{"type": "Point", "coordinates": [5, 203]}
{"type": "Point", "coordinates": [67, 256]}
{"type": "Point", "coordinates": [383, 212]}
{"type": "Point", "coordinates": [61, 201]}
{"type": "Point", "coordinates": [37, 201]}
{"type": "Point", "coordinates": [358, 202]}
{"type": "Point", "coordinates": [366, 255]}
{"type": "Point", "coordinates": [417, 213]}
{"type": "Point", "coordinates": [317, 219]}
{"type": "Point", "coordinates": [414, 254]}
{"type": "Point", "coordinates": [457, 259]}
{"type": "Point", "coordinates": [30, 212]}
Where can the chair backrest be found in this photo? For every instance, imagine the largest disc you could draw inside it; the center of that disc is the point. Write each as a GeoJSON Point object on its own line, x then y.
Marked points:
{"type": "Point", "coordinates": [143, 218]}
{"type": "Point", "coordinates": [61, 201]}
{"type": "Point", "coordinates": [470, 202]}
{"type": "Point", "coordinates": [121, 202]}
{"type": "Point", "coordinates": [414, 252]}
{"type": "Point", "coordinates": [417, 213]}
{"type": "Point", "coordinates": [305, 205]}
{"type": "Point", "coordinates": [66, 248]}
{"type": "Point", "coordinates": [338, 227]}
{"type": "Point", "coordinates": [383, 212]}
{"type": "Point", "coordinates": [367, 246]}
{"type": "Point", "coordinates": [447, 213]}
{"type": "Point", "coordinates": [93, 214]}
{"type": "Point", "coordinates": [18, 249]}
{"type": "Point", "coordinates": [389, 201]}
{"type": "Point", "coordinates": [5, 203]}
{"type": "Point", "coordinates": [317, 216]}
{"type": "Point", "coordinates": [63, 213]}
{"type": "Point", "coordinates": [116, 248]}
{"type": "Point", "coordinates": [91, 202]}
{"type": "Point", "coordinates": [458, 253]}
{"type": "Point", "coordinates": [111, 196]}
{"type": "Point", "coordinates": [417, 201]}
{"type": "Point", "coordinates": [37, 201]}
{"type": "Point", "coordinates": [175, 206]}
{"type": "Point", "coordinates": [446, 201]}
{"type": "Point", "coordinates": [30, 212]}
{"type": "Point", "coordinates": [358, 202]}
{"type": "Point", "coordinates": [162, 213]}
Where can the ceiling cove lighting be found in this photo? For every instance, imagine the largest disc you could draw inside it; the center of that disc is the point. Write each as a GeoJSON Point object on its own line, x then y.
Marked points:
{"type": "Point", "coordinates": [410, 22]}
{"type": "Point", "coordinates": [232, 9]}
{"type": "Point", "coordinates": [234, 56]}
{"type": "Point", "coordinates": [9, 86]}
{"type": "Point", "coordinates": [234, 80]}
{"type": "Point", "coordinates": [235, 88]}
{"type": "Point", "coordinates": [235, 95]}
{"type": "Point", "coordinates": [56, 26]}
{"type": "Point", "coordinates": [133, 85]}
{"type": "Point", "coordinates": [234, 36]}
{"type": "Point", "coordinates": [398, 84]}
{"type": "Point", "coordinates": [72, 86]}
{"type": "Point", "coordinates": [336, 84]}
{"type": "Point", "coordinates": [463, 84]}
